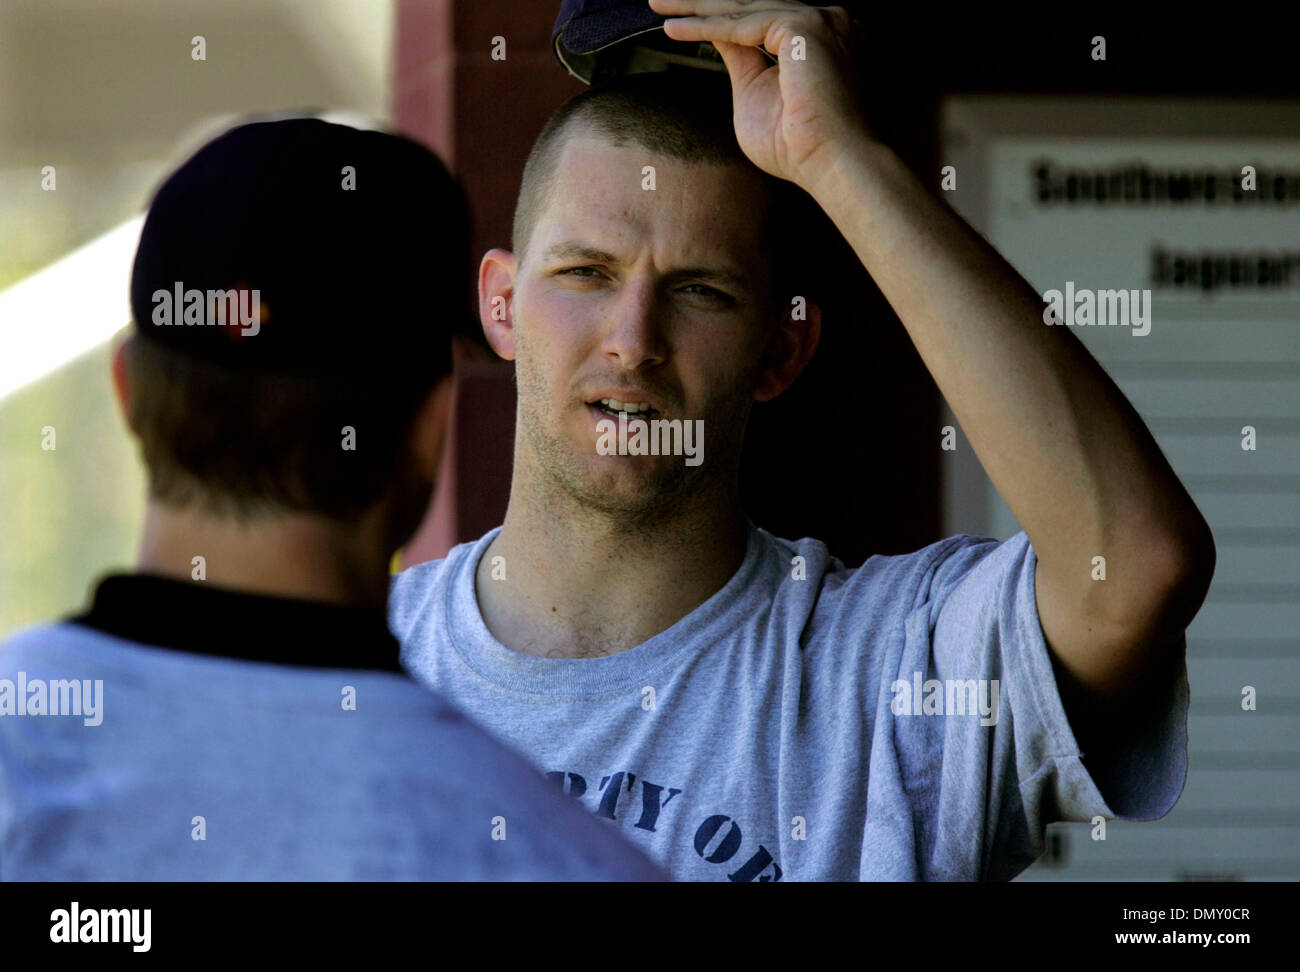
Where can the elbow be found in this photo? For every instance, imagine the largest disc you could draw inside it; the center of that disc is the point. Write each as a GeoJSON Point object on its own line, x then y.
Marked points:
{"type": "Point", "coordinates": [1197, 560]}
{"type": "Point", "coordinates": [1187, 570]}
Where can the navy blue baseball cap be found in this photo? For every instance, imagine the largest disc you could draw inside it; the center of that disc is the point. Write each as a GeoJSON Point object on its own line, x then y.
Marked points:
{"type": "Point", "coordinates": [599, 39]}
{"type": "Point", "coordinates": [346, 248]}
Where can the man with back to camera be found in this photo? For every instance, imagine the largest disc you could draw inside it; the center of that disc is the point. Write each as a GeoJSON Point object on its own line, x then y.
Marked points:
{"type": "Point", "coordinates": [240, 713]}
{"type": "Point", "coordinates": [744, 706]}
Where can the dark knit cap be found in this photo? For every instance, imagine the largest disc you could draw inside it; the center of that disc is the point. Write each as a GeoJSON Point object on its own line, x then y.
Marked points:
{"type": "Point", "coordinates": [326, 249]}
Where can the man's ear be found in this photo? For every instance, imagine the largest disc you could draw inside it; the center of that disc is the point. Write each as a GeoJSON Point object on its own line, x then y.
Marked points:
{"type": "Point", "coordinates": [432, 424]}
{"type": "Point", "coordinates": [790, 348]}
{"type": "Point", "coordinates": [122, 378]}
{"type": "Point", "coordinates": [496, 290]}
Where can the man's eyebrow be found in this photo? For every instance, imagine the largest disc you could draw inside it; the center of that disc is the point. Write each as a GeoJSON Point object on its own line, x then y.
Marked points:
{"type": "Point", "coordinates": [573, 250]}
{"type": "Point", "coordinates": [715, 275]}
{"type": "Point", "coordinates": [578, 251]}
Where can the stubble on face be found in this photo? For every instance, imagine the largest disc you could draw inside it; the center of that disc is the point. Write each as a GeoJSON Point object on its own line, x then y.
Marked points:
{"type": "Point", "coordinates": [706, 372]}
{"type": "Point", "coordinates": [564, 473]}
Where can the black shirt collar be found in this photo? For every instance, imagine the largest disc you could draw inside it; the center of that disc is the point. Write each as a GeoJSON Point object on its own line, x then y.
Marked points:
{"type": "Point", "coordinates": [196, 617]}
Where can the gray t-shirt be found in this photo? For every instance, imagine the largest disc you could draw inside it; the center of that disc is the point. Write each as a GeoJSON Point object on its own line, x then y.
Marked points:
{"type": "Point", "coordinates": [808, 721]}
{"type": "Point", "coordinates": [289, 783]}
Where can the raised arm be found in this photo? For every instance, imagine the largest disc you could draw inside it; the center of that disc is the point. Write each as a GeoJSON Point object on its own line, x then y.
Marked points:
{"type": "Point", "coordinates": [1065, 449]}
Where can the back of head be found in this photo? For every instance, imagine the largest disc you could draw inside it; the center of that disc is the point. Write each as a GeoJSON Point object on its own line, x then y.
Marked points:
{"type": "Point", "coordinates": [685, 115]}
{"type": "Point", "coordinates": [295, 280]}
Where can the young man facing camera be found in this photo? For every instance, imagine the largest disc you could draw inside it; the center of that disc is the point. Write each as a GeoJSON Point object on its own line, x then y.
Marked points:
{"type": "Point", "coordinates": [745, 706]}
{"type": "Point", "coordinates": [237, 710]}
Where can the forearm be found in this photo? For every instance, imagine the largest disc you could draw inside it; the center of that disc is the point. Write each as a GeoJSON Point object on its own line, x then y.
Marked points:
{"type": "Point", "coordinates": [1066, 451]}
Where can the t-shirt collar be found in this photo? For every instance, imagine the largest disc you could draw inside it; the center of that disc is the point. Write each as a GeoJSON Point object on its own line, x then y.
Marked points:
{"type": "Point", "coordinates": [721, 616]}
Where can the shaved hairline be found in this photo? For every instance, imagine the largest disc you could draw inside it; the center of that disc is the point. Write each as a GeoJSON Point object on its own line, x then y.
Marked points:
{"type": "Point", "coordinates": [657, 113]}
{"type": "Point", "coordinates": [687, 118]}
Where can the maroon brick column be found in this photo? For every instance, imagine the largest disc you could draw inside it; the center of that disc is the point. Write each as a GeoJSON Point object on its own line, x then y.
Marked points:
{"type": "Point", "coordinates": [480, 115]}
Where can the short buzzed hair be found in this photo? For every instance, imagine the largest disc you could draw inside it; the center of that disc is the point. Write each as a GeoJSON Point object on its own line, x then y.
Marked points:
{"type": "Point", "coordinates": [685, 115]}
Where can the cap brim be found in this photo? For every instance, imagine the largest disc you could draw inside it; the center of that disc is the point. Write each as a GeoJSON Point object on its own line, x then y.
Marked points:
{"type": "Point", "coordinates": [598, 42]}
{"type": "Point", "coordinates": [588, 33]}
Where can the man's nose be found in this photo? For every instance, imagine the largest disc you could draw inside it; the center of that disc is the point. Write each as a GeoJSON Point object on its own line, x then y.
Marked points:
{"type": "Point", "coordinates": [634, 335]}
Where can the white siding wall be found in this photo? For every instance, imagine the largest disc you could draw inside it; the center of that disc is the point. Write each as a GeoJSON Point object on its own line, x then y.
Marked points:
{"type": "Point", "coordinates": [1210, 365]}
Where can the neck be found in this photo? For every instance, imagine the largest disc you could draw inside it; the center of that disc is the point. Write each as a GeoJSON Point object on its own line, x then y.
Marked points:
{"type": "Point", "coordinates": [285, 555]}
{"type": "Point", "coordinates": [579, 583]}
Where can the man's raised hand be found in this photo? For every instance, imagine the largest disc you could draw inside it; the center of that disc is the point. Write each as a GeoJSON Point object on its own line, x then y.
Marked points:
{"type": "Point", "coordinates": [793, 119]}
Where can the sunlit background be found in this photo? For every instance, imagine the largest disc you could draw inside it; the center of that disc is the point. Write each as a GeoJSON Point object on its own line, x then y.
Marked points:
{"type": "Point", "coordinates": [108, 94]}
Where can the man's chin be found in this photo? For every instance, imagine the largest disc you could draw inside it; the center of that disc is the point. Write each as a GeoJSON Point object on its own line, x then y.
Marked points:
{"type": "Point", "coordinates": [630, 485]}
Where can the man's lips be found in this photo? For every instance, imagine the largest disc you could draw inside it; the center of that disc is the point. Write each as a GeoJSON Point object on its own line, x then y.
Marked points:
{"type": "Point", "coordinates": [603, 412]}
{"type": "Point", "coordinates": [615, 399]}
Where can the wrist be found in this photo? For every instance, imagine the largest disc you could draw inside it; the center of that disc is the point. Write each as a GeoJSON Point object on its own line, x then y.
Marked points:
{"type": "Point", "coordinates": [845, 169]}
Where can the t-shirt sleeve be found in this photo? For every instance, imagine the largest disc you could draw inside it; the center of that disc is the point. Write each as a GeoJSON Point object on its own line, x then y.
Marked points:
{"type": "Point", "coordinates": [410, 592]}
{"type": "Point", "coordinates": [1014, 765]}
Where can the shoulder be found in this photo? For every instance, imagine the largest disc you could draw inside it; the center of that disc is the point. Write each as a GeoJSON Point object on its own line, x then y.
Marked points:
{"type": "Point", "coordinates": [39, 642]}
{"type": "Point", "coordinates": [412, 592]}
{"type": "Point", "coordinates": [408, 590]}
{"type": "Point", "coordinates": [900, 580]}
